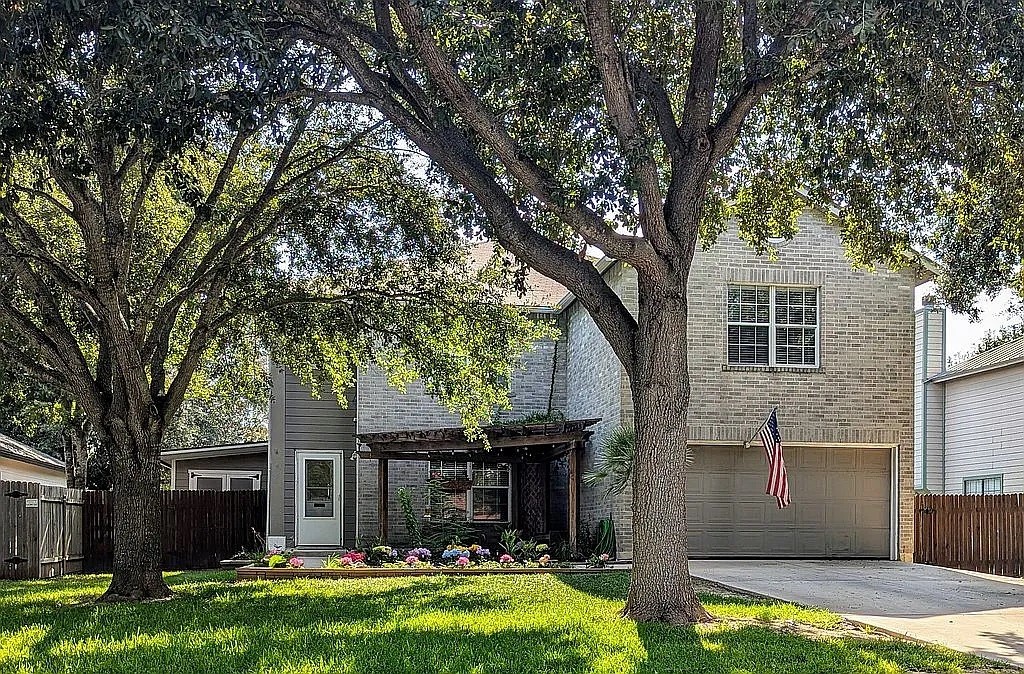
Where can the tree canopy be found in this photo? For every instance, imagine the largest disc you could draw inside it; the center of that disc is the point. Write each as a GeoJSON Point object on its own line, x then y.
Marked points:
{"type": "Point", "coordinates": [175, 189]}
{"type": "Point", "coordinates": [645, 129]}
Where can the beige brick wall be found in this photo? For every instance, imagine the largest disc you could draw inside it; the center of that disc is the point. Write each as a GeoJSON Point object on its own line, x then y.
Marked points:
{"type": "Point", "coordinates": [597, 387]}
{"type": "Point", "coordinates": [538, 383]}
{"type": "Point", "coordinates": [861, 393]}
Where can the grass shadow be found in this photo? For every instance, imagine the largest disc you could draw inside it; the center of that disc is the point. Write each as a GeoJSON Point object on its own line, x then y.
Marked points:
{"type": "Point", "coordinates": [488, 624]}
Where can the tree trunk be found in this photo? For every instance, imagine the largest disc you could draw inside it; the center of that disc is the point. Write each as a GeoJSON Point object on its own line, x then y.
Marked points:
{"type": "Point", "coordinates": [660, 588]}
{"type": "Point", "coordinates": [76, 452]}
{"type": "Point", "coordinates": [137, 524]}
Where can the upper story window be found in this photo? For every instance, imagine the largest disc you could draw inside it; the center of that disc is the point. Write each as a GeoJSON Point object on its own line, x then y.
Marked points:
{"type": "Point", "coordinates": [984, 485]}
{"type": "Point", "coordinates": [773, 325]}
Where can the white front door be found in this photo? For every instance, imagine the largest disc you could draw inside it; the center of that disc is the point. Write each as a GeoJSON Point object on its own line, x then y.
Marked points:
{"type": "Point", "coordinates": [317, 498]}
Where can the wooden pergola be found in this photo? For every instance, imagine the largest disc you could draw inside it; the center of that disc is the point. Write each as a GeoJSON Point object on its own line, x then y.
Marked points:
{"type": "Point", "coordinates": [512, 444]}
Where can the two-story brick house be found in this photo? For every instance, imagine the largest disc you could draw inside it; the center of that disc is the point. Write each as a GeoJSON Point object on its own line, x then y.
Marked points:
{"type": "Point", "coordinates": [830, 345]}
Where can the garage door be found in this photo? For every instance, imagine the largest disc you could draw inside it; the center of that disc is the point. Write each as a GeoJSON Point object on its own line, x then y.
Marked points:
{"type": "Point", "coordinates": [840, 504]}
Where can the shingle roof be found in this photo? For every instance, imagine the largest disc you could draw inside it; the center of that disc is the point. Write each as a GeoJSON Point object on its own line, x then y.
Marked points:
{"type": "Point", "coordinates": [541, 291]}
{"type": "Point", "coordinates": [18, 451]}
{"type": "Point", "coordinates": [1000, 356]}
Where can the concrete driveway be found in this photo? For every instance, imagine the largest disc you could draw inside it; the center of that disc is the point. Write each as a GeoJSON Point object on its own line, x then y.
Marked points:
{"type": "Point", "coordinates": [970, 612]}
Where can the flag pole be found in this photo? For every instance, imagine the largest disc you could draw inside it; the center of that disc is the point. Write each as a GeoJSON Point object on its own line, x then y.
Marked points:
{"type": "Point", "coordinates": [746, 445]}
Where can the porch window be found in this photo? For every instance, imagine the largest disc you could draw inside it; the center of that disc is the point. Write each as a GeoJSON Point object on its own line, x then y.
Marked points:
{"type": "Point", "coordinates": [480, 491]}
{"type": "Point", "coordinates": [492, 490]}
{"type": "Point", "coordinates": [447, 497]}
{"type": "Point", "coordinates": [772, 325]}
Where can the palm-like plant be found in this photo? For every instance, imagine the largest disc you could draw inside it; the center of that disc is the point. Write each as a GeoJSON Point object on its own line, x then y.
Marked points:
{"type": "Point", "coordinates": [614, 467]}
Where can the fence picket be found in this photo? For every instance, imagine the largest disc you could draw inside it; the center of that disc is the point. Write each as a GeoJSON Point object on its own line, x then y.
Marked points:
{"type": "Point", "coordinates": [200, 528]}
{"type": "Point", "coordinates": [972, 532]}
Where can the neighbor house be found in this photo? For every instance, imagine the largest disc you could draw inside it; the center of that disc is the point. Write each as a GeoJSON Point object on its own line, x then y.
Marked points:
{"type": "Point", "coordinates": [830, 345]}
{"type": "Point", "coordinates": [969, 416]}
{"type": "Point", "coordinates": [21, 463]}
{"type": "Point", "coordinates": [231, 467]}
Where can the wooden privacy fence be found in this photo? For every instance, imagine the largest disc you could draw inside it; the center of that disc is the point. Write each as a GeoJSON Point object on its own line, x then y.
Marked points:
{"type": "Point", "coordinates": [200, 528]}
{"type": "Point", "coordinates": [976, 533]}
{"type": "Point", "coordinates": [40, 530]}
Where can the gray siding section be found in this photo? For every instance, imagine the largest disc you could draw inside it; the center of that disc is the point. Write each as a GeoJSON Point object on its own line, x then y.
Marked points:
{"type": "Point", "coordinates": [985, 428]}
{"type": "Point", "coordinates": [255, 462]}
{"type": "Point", "coordinates": [929, 360]}
{"type": "Point", "coordinates": [301, 421]}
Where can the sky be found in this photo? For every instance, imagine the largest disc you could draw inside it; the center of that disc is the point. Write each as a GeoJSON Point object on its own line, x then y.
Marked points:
{"type": "Point", "coordinates": [961, 334]}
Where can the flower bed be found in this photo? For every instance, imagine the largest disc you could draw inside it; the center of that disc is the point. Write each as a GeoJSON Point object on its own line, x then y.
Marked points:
{"type": "Point", "coordinates": [516, 556]}
{"type": "Point", "coordinates": [265, 573]}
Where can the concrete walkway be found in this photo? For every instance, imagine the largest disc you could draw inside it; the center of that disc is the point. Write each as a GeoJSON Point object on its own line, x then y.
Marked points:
{"type": "Point", "coordinates": [971, 612]}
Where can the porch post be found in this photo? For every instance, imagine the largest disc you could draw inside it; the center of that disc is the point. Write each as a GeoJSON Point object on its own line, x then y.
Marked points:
{"type": "Point", "coordinates": [574, 495]}
{"type": "Point", "coordinates": [382, 499]}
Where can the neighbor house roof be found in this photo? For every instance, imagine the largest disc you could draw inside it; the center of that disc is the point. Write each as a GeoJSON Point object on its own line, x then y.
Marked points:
{"type": "Point", "coordinates": [1004, 355]}
{"type": "Point", "coordinates": [541, 292]}
{"type": "Point", "coordinates": [216, 450]}
{"type": "Point", "coordinates": [12, 449]}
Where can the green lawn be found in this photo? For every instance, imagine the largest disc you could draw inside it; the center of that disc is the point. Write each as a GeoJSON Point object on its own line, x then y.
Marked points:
{"type": "Point", "coordinates": [461, 625]}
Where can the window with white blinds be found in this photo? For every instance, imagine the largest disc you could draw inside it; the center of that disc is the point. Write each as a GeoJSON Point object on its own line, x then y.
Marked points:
{"type": "Point", "coordinates": [772, 325]}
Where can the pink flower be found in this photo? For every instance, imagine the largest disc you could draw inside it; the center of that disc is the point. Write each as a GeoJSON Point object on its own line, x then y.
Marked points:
{"type": "Point", "coordinates": [506, 559]}
{"type": "Point", "coordinates": [544, 559]}
{"type": "Point", "coordinates": [296, 562]}
{"type": "Point", "coordinates": [412, 559]}
{"type": "Point", "coordinates": [462, 561]}
{"type": "Point", "coordinates": [345, 561]}
{"type": "Point", "coordinates": [604, 557]}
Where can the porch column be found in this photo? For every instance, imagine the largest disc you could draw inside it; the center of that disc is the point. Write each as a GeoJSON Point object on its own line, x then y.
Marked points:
{"type": "Point", "coordinates": [574, 495]}
{"type": "Point", "coordinates": [382, 499]}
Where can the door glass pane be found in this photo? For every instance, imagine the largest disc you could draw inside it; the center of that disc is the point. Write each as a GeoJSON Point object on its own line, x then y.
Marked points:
{"type": "Point", "coordinates": [242, 484]}
{"type": "Point", "coordinates": [210, 483]}
{"type": "Point", "coordinates": [319, 488]}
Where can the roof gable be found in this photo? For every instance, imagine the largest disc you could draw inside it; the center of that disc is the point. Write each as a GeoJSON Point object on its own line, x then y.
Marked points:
{"type": "Point", "coordinates": [541, 292]}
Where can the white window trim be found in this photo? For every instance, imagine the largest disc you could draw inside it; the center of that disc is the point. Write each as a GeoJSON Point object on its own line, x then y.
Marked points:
{"type": "Point", "coordinates": [469, 492]}
{"type": "Point", "coordinates": [225, 477]}
{"type": "Point", "coordinates": [982, 478]}
{"type": "Point", "coordinates": [772, 326]}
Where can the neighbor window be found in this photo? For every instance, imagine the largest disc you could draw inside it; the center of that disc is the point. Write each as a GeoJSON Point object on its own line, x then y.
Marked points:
{"type": "Point", "coordinates": [223, 480]}
{"type": "Point", "coordinates": [984, 485]}
{"type": "Point", "coordinates": [772, 325]}
{"type": "Point", "coordinates": [482, 491]}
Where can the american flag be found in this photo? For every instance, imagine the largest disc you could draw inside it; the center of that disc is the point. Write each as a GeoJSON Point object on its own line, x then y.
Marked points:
{"type": "Point", "coordinates": [778, 483]}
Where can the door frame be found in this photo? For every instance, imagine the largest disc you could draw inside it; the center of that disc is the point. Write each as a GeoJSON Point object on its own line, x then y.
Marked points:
{"type": "Point", "coordinates": [299, 501]}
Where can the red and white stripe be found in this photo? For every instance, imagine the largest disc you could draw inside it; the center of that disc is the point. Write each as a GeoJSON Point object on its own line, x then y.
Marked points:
{"type": "Point", "coordinates": [778, 482]}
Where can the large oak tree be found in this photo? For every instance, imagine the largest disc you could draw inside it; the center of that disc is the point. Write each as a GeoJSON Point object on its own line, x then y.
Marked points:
{"type": "Point", "coordinates": [169, 189]}
{"type": "Point", "coordinates": [644, 128]}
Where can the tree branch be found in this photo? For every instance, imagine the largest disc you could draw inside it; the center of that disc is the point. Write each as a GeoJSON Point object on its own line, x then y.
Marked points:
{"type": "Point", "coordinates": [625, 118]}
{"type": "Point", "coordinates": [537, 181]}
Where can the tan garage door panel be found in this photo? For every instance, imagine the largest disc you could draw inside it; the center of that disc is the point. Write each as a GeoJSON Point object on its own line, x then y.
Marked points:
{"type": "Point", "coordinates": [840, 504]}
